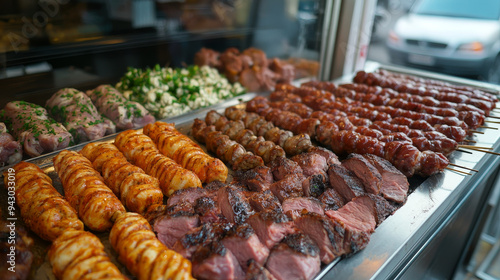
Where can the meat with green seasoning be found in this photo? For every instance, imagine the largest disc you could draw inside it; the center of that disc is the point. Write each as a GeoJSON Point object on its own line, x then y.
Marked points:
{"type": "Point", "coordinates": [34, 129]}
{"type": "Point", "coordinates": [77, 113]}
{"type": "Point", "coordinates": [124, 113]}
{"type": "Point", "coordinates": [10, 150]}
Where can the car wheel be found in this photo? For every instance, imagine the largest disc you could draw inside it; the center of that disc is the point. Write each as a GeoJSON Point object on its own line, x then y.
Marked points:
{"type": "Point", "coordinates": [494, 72]}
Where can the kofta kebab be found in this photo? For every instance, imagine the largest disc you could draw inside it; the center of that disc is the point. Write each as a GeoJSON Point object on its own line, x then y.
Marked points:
{"type": "Point", "coordinates": [289, 206]}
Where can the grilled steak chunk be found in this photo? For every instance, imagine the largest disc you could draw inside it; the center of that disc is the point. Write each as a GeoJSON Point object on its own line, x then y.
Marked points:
{"type": "Point", "coordinates": [283, 167]}
{"type": "Point", "coordinates": [189, 195]}
{"type": "Point", "coordinates": [257, 272]}
{"type": "Point", "coordinates": [245, 245]}
{"type": "Point", "coordinates": [175, 223]}
{"type": "Point", "coordinates": [322, 231]}
{"type": "Point", "coordinates": [294, 207]}
{"type": "Point", "coordinates": [208, 211]}
{"type": "Point", "coordinates": [383, 207]}
{"type": "Point", "coordinates": [394, 185]}
{"type": "Point", "coordinates": [345, 182]}
{"type": "Point", "coordinates": [296, 257]}
{"type": "Point", "coordinates": [365, 171]}
{"type": "Point", "coordinates": [329, 156]}
{"type": "Point", "coordinates": [258, 179]}
{"type": "Point", "coordinates": [331, 199]}
{"type": "Point", "coordinates": [233, 204]}
{"type": "Point", "coordinates": [216, 262]}
{"type": "Point", "coordinates": [355, 221]}
{"type": "Point", "coordinates": [271, 226]}
{"type": "Point", "coordinates": [261, 201]}
{"type": "Point", "coordinates": [315, 185]}
{"type": "Point", "coordinates": [291, 186]}
{"type": "Point", "coordinates": [311, 163]}
{"type": "Point", "coordinates": [200, 237]}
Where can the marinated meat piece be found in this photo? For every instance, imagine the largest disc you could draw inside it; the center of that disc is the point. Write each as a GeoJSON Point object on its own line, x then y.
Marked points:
{"type": "Point", "coordinates": [200, 237]}
{"type": "Point", "coordinates": [175, 223]}
{"type": "Point", "coordinates": [323, 232]}
{"type": "Point", "coordinates": [384, 208]}
{"type": "Point", "coordinates": [11, 151]}
{"type": "Point", "coordinates": [329, 156]}
{"type": "Point", "coordinates": [77, 113]}
{"type": "Point", "coordinates": [124, 113]}
{"type": "Point", "coordinates": [291, 186]}
{"type": "Point", "coordinates": [215, 261]}
{"type": "Point", "coordinates": [331, 199]}
{"type": "Point", "coordinates": [257, 272]}
{"type": "Point", "coordinates": [285, 71]}
{"type": "Point", "coordinates": [248, 79]}
{"type": "Point", "coordinates": [258, 57]}
{"type": "Point", "coordinates": [283, 167]}
{"type": "Point", "coordinates": [34, 129]}
{"type": "Point", "coordinates": [296, 257]}
{"type": "Point", "coordinates": [345, 182]}
{"type": "Point", "coordinates": [296, 206]}
{"type": "Point", "coordinates": [311, 163]}
{"type": "Point", "coordinates": [207, 57]}
{"type": "Point", "coordinates": [315, 185]}
{"type": "Point", "coordinates": [233, 204]}
{"type": "Point", "coordinates": [261, 201]}
{"type": "Point", "coordinates": [394, 185]}
{"type": "Point", "coordinates": [208, 211]}
{"type": "Point", "coordinates": [258, 179]}
{"type": "Point", "coordinates": [271, 226]}
{"type": "Point", "coordinates": [189, 195]}
{"type": "Point", "coordinates": [245, 245]}
{"type": "Point", "coordinates": [231, 64]}
{"type": "Point", "coordinates": [355, 221]}
{"type": "Point", "coordinates": [365, 171]}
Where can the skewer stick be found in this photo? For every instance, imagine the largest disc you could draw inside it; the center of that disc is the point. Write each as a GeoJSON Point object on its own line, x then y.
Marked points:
{"type": "Point", "coordinates": [484, 151]}
{"type": "Point", "coordinates": [475, 147]}
{"type": "Point", "coordinates": [463, 151]}
{"type": "Point", "coordinates": [493, 117]}
{"type": "Point", "coordinates": [491, 121]}
{"type": "Point", "coordinates": [458, 171]}
{"type": "Point", "coordinates": [463, 167]}
{"type": "Point", "coordinates": [488, 127]}
{"type": "Point", "coordinates": [469, 141]}
{"type": "Point", "coordinates": [475, 131]}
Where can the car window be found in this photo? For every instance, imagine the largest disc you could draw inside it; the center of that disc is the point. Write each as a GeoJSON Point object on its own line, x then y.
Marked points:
{"type": "Point", "coordinates": [477, 9]}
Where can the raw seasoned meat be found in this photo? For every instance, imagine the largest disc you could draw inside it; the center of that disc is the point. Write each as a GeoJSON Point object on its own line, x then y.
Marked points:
{"type": "Point", "coordinates": [395, 184]}
{"type": "Point", "coordinates": [365, 172]}
{"type": "Point", "coordinates": [34, 129]}
{"type": "Point", "coordinates": [271, 226]}
{"type": "Point", "coordinates": [296, 257]}
{"type": "Point", "coordinates": [11, 151]}
{"type": "Point", "coordinates": [124, 113]}
{"type": "Point", "coordinates": [296, 206]}
{"type": "Point", "coordinates": [245, 245]}
{"type": "Point", "coordinates": [77, 113]}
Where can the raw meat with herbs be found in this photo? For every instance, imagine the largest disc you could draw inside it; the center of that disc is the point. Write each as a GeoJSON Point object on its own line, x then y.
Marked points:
{"type": "Point", "coordinates": [10, 150]}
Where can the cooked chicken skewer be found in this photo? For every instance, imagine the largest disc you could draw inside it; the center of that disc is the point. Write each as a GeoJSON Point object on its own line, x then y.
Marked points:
{"type": "Point", "coordinates": [137, 190]}
{"type": "Point", "coordinates": [43, 209]}
{"type": "Point", "coordinates": [141, 151]}
{"type": "Point", "coordinates": [79, 254]}
{"type": "Point", "coordinates": [186, 152]}
{"type": "Point", "coordinates": [143, 254]}
{"type": "Point", "coordinates": [85, 190]}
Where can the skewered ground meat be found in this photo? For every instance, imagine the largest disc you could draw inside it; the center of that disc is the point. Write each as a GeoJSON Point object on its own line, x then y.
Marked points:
{"type": "Point", "coordinates": [271, 226]}
{"type": "Point", "coordinates": [296, 206]}
{"type": "Point", "coordinates": [365, 171]}
{"type": "Point", "coordinates": [296, 257]}
{"type": "Point", "coordinates": [245, 245]}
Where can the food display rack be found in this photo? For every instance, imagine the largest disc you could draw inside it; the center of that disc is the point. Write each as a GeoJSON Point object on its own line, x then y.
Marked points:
{"type": "Point", "coordinates": [425, 238]}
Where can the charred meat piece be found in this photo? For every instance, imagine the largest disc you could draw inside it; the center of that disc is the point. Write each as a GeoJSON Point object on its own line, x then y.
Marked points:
{"type": "Point", "coordinates": [356, 220]}
{"type": "Point", "coordinates": [208, 210]}
{"type": "Point", "coordinates": [189, 195]}
{"type": "Point", "coordinates": [215, 261]}
{"type": "Point", "coordinates": [395, 184]}
{"type": "Point", "coordinates": [311, 163]}
{"type": "Point", "coordinates": [365, 171]}
{"type": "Point", "coordinates": [75, 110]}
{"type": "Point", "coordinates": [271, 226]}
{"type": "Point", "coordinates": [345, 182]}
{"type": "Point", "coordinates": [245, 245]}
{"type": "Point", "coordinates": [258, 179]}
{"type": "Point", "coordinates": [290, 186]}
{"type": "Point", "coordinates": [11, 151]}
{"type": "Point", "coordinates": [175, 223]}
{"type": "Point", "coordinates": [384, 208]}
{"type": "Point", "coordinates": [315, 185]}
{"type": "Point", "coordinates": [331, 199]}
{"type": "Point", "coordinates": [257, 272]}
{"type": "Point", "coordinates": [323, 232]}
{"type": "Point", "coordinates": [296, 257]}
{"type": "Point", "coordinates": [329, 156]}
{"type": "Point", "coordinates": [233, 204]}
{"type": "Point", "coordinates": [261, 201]}
{"type": "Point", "coordinates": [34, 129]}
{"type": "Point", "coordinates": [200, 237]}
{"type": "Point", "coordinates": [283, 167]}
{"type": "Point", "coordinates": [296, 206]}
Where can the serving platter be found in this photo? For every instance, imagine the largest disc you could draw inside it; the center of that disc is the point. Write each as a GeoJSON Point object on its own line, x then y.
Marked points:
{"type": "Point", "coordinates": [393, 244]}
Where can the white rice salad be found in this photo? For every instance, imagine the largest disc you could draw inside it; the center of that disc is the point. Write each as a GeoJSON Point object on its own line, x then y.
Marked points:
{"type": "Point", "coordinates": [168, 92]}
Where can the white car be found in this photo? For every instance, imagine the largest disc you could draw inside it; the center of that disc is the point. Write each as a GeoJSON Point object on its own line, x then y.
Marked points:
{"type": "Point", "coordinates": [458, 37]}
